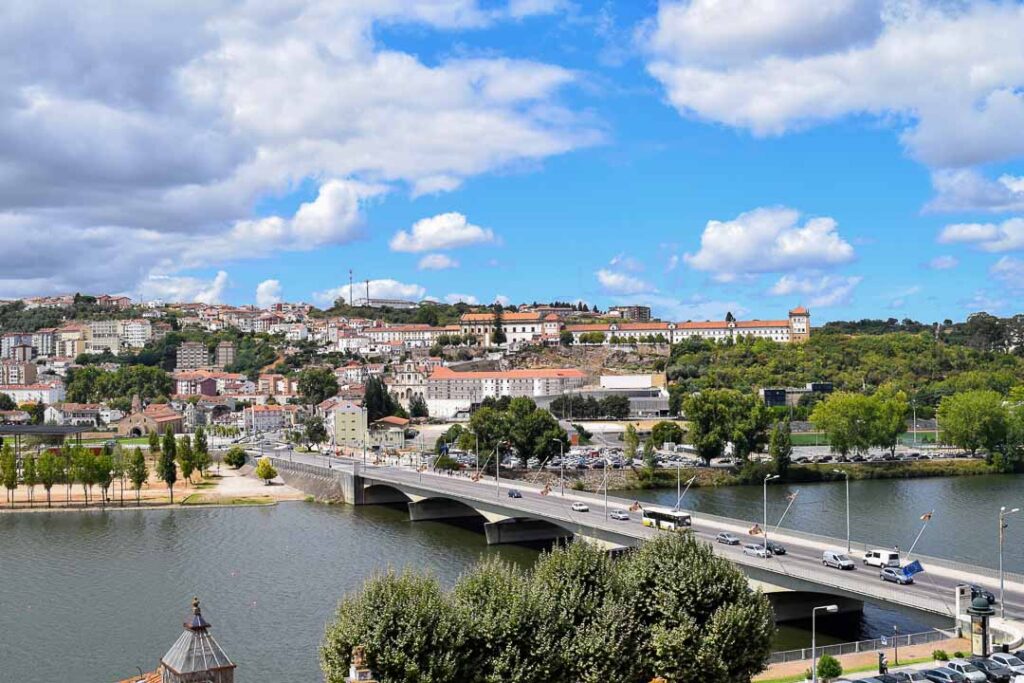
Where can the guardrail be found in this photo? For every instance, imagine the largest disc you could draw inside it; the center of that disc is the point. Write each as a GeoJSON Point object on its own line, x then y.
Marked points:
{"type": "Point", "coordinates": [902, 640]}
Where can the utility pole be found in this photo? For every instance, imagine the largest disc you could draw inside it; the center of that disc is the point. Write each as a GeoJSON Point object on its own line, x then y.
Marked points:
{"type": "Point", "coordinates": [351, 291]}
{"type": "Point", "coordinates": [367, 292]}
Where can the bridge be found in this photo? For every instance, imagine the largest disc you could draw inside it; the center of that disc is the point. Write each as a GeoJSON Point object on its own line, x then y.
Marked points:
{"type": "Point", "coordinates": [535, 517]}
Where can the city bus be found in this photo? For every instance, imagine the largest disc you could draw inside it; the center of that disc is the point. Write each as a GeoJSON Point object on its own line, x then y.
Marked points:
{"type": "Point", "coordinates": [665, 518]}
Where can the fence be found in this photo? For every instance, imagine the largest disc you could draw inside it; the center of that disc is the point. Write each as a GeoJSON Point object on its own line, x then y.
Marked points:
{"type": "Point", "coordinates": [861, 646]}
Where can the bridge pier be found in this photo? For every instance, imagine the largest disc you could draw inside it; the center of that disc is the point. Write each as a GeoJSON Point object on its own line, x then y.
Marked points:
{"type": "Point", "coordinates": [797, 605]}
{"type": "Point", "coordinates": [523, 531]}
{"type": "Point", "coordinates": [438, 509]}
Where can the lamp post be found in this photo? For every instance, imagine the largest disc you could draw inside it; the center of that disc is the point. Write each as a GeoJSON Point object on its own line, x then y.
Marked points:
{"type": "Point", "coordinates": [561, 466]}
{"type": "Point", "coordinates": [847, 475]}
{"type": "Point", "coordinates": [831, 609]}
{"type": "Point", "coordinates": [767, 478]}
{"type": "Point", "coordinates": [1003, 514]}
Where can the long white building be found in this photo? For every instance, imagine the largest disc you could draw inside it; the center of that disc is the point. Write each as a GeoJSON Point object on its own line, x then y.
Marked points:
{"type": "Point", "coordinates": [449, 392]}
{"type": "Point", "coordinates": [795, 329]}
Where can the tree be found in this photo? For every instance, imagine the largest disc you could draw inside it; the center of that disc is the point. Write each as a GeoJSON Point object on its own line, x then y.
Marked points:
{"type": "Point", "coordinates": [892, 410]}
{"type": "Point", "coordinates": [165, 469]}
{"type": "Point", "coordinates": [201, 452]}
{"type": "Point", "coordinates": [314, 431]}
{"type": "Point", "coordinates": [418, 406]}
{"type": "Point", "coordinates": [6, 402]}
{"type": "Point", "coordinates": [575, 616]}
{"type": "Point", "coordinates": [235, 457]}
{"type": "Point", "coordinates": [780, 448]}
{"type": "Point", "coordinates": [138, 473]}
{"type": "Point", "coordinates": [650, 457]}
{"type": "Point", "coordinates": [710, 414]}
{"type": "Point", "coordinates": [186, 458]}
{"type": "Point", "coordinates": [750, 420]}
{"type": "Point", "coordinates": [84, 471]}
{"type": "Point", "coordinates": [666, 432]}
{"type": "Point", "coordinates": [615, 406]}
{"type": "Point", "coordinates": [316, 385]}
{"type": "Point", "coordinates": [49, 472]}
{"type": "Point", "coordinates": [973, 420]}
{"type": "Point", "coordinates": [848, 420]}
{"type": "Point", "coordinates": [9, 471]}
{"type": "Point", "coordinates": [154, 443]}
{"type": "Point", "coordinates": [498, 337]}
{"type": "Point", "coordinates": [630, 441]}
{"type": "Point", "coordinates": [265, 470]}
{"type": "Point", "coordinates": [565, 338]}
{"type": "Point", "coordinates": [377, 400]}
{"type": "Point", "coordinates": [103, 467]}
{"type": "Point", "coordinates": [29, 475]}
{"type": "Point", "coordinates": [119, 465]}
{"type": "Point", "coordinates": [829, 668]}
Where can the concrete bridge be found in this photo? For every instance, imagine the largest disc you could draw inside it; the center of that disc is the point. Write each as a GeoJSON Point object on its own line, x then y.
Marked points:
{"type": "Point", "coordinates": [537, 517]}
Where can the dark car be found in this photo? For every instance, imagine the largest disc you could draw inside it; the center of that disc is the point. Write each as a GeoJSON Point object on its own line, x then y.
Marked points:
{"type": "Point", "coordinates": [993, 670]}
{"type": "Point", "coordinates": [977, 590]}
{"type": "Point", "coordinates": [908, 676]}
{"type": "Point", "coordinates": [776, 548]}
{"type": "Point", "coordinates": [514, 493]}
{"type": "Point", "coordinates": [944, 675]}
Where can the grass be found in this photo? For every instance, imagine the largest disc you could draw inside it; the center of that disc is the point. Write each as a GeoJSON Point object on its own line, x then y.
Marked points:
{"type": "Point", "coordinates": [796, 678]}
{"type": "Point", "coordinates": [202, 499]}
{"type": "Point", "coordinates": [818, 439]}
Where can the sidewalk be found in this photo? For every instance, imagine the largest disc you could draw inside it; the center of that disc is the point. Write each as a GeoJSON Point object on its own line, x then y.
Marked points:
{"type": "Point", "coordinates": [852, 662]}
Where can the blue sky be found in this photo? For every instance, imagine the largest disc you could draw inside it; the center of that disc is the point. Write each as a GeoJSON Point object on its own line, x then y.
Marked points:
{"type": "Point", "coordinates": [859, 157]}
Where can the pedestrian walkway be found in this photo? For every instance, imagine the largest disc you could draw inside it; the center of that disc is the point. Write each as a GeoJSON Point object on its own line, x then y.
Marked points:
{"type": "Point", "coordinates": [852, 662]}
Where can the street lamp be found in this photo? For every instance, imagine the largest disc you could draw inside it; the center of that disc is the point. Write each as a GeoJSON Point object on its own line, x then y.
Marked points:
{"type": "Point", "coordinates": [767, 478]}
{"type": "Point", "coordinates": [847, 475]}
{"type": "Point", "coordinates": [831, 609]}
{"type": "Point", "coordinates": [1003, 514]}
{"type": "Point", "coordinates": [561, 466]}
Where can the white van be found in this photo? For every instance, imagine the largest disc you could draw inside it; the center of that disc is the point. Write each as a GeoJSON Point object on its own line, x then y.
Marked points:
{"type": "Point", "coordinates": [882, 558]}
{"type": "Point", "coordinates": [837, 559]}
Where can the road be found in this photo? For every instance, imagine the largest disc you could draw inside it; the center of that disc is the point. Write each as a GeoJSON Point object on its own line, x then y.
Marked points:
{"type": "Point", "coordinates": [933, 591]}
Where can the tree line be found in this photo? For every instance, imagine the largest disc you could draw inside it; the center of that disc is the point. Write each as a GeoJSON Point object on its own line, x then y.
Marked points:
{"type": "Point", "coordinates": [509, 425]}
{"type": "Point", "coordinates": [576, 406]}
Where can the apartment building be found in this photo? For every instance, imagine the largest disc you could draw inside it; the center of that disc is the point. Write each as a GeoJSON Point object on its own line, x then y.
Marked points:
{"type": "Point", "coordinates": [15, 372]}
{"type": "Point", "coordinates": [42, 392]}
{"type": "Point", "coordinates": [224, 354]}
{"type": "Point", "coordinates": [44, 341]}
{"type": "Point", "coordinates": [11, 340]}
{"type": "Point", "coordinates": [412, 336]}
{"type": "Point", "coordinates": [134, 333]}
{"type": "Point", "coordinates": [450, 392]}
{"type": "Point", "coordinates": [103, 337]}
{"type": "Point", "coordinates": [345, 421]}
{"type": "Point", "coordinates": [72, 340]}
{"type": "Point", "coordinates": [639, 314]}
{"type": "Point", "coordinates": [268, 418]}
{"type": "Point", "coordinates": [192, 356]}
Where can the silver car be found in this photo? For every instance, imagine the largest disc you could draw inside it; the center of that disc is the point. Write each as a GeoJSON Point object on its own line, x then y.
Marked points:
{"type": "Point", "coordinates": [756, 550]}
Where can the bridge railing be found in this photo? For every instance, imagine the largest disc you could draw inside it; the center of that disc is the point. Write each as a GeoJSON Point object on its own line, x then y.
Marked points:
{"type": "Point", "coordinates": [859, 546]}
{"type": "Point", "coordinates": [902, 640]}
{"type": "Point", "coordinates": [307, 468]}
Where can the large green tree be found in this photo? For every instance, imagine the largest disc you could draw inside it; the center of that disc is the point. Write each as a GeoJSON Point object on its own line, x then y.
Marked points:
{"type": "Point", "coordinates": [166, 470]}
{"type": "Point", "coordinates": [49, 472]}
{"type": "Point", "coordinates": [9, 471]}
{"type": "Point", "coordinates": [138, 473]}
{"type": "Point", "coordinates": [849, 421]}
{"type": "Point", "coordinates": [711, 417]}
{"type": "Point", "coordinates": [666, 432]}
{"type": "Point", "coordinates": [974, 420]}
{"type": "Point", "coordinates": [891, 412]}
{"type": "Point", "coordinates": [780, 447]}
{"type": "Point", "coordinates": [317, 384]}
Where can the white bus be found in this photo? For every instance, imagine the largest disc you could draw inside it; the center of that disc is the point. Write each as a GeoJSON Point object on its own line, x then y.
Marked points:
{"type": "Point", "coordinates": [665, 518]}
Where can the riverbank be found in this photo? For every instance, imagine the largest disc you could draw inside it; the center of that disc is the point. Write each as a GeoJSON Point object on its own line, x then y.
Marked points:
{"type": "Point", "coordinates": [636, 479]}
{"type": "Point", "coordinates": [224, 488]}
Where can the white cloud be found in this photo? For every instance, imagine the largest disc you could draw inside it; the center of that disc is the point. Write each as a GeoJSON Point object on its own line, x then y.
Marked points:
{"type": "Point", "coordinates": [768, 240]}
{"type": "Point", "coordinates": [183, 289]}
{"type": "Point", "coordinates": [1009, 271]}
{"type": "Point", "coordinates": [502, 299]}
{"type": "Point", "coordinates": [944, 262]}
{"type": "Point", "coordinates": [991, 237]}
{"type": "Point", "coordinates": [443, 231]}
{"type": "Point", "coordinates": [268, 293]}
{"type": "Point", "coordinates": [437, 262]}
{"type": "Point", "coordinates": [948, 74]}
{"type": "Point", "coordinates": [620, 283]}
{"type": "Point", "coordinates": [627, 263]}
{"type": "Point", "coordinates": [672, 264]}
{"type": "Point", "coordinates": [154, 133]}
{"type": "Point", "coordinates": [379, 289]}
{"type": "Point", "coordinates": [823, 290]}
{"type": "Point", "coordinates": [968, 190]}
{"type": "Point", "coordinates": [463, 298]}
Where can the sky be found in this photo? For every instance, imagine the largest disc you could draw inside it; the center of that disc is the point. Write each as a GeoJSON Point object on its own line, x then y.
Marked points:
{"type": "Point", "coordinates": [864, 158]}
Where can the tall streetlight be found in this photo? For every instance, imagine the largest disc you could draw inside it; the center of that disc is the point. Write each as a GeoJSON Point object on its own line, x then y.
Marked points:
{"type": "Point", "coordinates": [767, 478]}
{"type": "Point", "coordinates": [1003, 514]}
{"type": "Point", "coordinates": [831, 609]}
{"type": "Point", "coordinates": [561, 466]}
{"type": "Point", "coordinates": [847, 475]}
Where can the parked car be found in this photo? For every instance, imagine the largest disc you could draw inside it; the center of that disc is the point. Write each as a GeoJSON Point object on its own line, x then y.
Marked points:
{"type": "Point", "coordinates": [837, 559]}
{"type": "Point", "coordinates": [993, 670]}
{"type": "Point", "coordinates": [756, 550]}
{"type": "Point", "coordinates": [619, 515]}
{"type": "Point", "coordinates": [944, 675]}
{"type": "Point", "coordinates": [515, 493]}
{"type": "Point", "coordinates": [1011, 662]}
{"type": "Point", "coordinates": [580, 507]}
{"type": "Point", "coordinates": [894, 575]}
{"type": "Point", "coordinates": [882, 558]}
{"type": "Point", "coordinates": [967, 670]}
{"type": "Point", "coordinates": [727, 538]}
{"type": "Point", "coordinates": [907, 676]}
{"type": "Point", "coordinates": [776, 548]}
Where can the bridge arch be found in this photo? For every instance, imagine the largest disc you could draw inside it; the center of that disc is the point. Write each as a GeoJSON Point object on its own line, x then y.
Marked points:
{"type": "Point", "coordinates": [381, 494]}
{"type": "Point", "coordinates": [524, 530]}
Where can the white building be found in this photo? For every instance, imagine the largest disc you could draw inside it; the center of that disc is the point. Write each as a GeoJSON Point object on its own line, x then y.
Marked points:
{"type": "Point", "coordinates": [48, 392]}
{"type": "Point", "coordinates": [518, 327]}
{"type": "Point", "coordinates": [796, 328]}
{"type": "Point", "coordinates": [264, 418]}
{"type": "Point", "coordinates": [134, 333]}
{"type": "Point", "coordinates": [450, 392]}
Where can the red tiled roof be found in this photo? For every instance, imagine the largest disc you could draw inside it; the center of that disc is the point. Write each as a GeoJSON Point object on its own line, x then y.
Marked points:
{"type": "Point", "coordinates": [392, 420]}
{"type": "Point", "coordinates": [799, 310]}
{"type": "Point", "coordinates": [443, 373]}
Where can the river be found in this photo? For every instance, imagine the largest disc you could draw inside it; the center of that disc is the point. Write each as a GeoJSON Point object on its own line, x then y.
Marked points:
{"type": "Point", "coordinates": [90, 596]}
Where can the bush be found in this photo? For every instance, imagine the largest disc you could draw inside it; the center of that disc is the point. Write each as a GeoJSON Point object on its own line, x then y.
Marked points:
{"type": "Point", "coordinates": [578, 485]}
{"type": "Point", "coordinates": [940, 655]}
{"type": "Point", "coordinates": [829, 668]}
{"type": "Point", "coordinates": [235, 457]}
{"type": "Point", "coordinates": [959, 655]}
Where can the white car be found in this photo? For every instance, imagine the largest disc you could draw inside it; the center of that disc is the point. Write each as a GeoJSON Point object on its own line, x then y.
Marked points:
{"type": "Point", "coordinates": [580, 507]}
{"type": "Point", "coordinates": [1011, 662]}
{"type": "Point", "coordinates": [882, 558]}
{"type": "Point", "coordinates": [756, 550]}
{"type": "Point", "coordinates": [967, 670]}
{"type": "Point", "coordinates": [727, 538]}
{"type": "Point", "coordinates": [619, 515]}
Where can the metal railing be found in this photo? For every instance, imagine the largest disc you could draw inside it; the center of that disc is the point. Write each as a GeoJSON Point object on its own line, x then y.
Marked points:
{"type": "Point", "coordinates": [902, 640]}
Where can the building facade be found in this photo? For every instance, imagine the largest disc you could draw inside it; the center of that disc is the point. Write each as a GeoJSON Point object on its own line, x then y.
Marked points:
{"type": "Point", "coordinates": [192, 356]}
{"type": "Point", "coordinates": [450, 392]}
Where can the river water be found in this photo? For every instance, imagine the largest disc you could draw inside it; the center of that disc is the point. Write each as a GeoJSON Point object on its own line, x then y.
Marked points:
{"type": "Point", "coordinates": [90, 596]}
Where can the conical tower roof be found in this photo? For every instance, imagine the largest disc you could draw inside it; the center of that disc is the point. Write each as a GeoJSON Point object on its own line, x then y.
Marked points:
{"type": "Point", "coordinates": [195, 651]}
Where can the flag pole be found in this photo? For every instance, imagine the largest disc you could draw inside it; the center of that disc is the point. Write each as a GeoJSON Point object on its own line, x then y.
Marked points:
{"type": "Point", "coordinates": [926, 518]}
{"type": "Point", "coordinates": [792, 499]}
